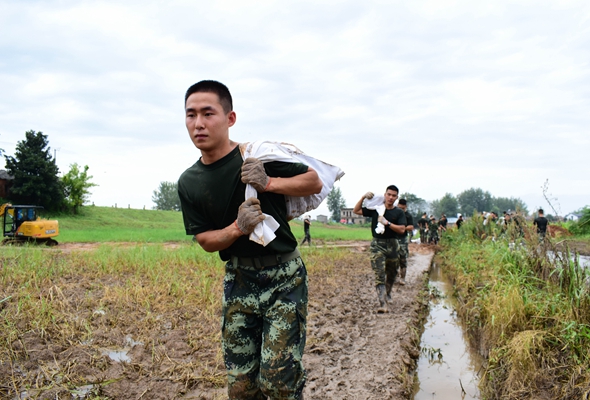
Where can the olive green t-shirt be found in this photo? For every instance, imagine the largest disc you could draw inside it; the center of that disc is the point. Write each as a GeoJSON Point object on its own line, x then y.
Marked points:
{"type": "Point", "coordinates": [211, 194]}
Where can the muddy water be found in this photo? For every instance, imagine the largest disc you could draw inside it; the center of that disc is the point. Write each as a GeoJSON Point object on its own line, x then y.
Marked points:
{"type": "Point", "coordinates": [584, 261]}
{"type": "Point", "coordinates": [447, 369]}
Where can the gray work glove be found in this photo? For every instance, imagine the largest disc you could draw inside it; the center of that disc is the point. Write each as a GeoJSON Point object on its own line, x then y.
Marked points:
{"type": "Point", "coordinates": [253, 173]}
{"type": "Point", "coordinates": [249, 215]}
{"type": "Point", "coordinates": [368, 195]}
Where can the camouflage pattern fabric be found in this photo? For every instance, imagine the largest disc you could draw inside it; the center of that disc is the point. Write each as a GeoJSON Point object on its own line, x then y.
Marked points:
{"type": "Point", "coordinates": [423, 235]}
{"type": "Point", "coordinates": [432, 232]}
{"type": "Point", "coordinates": [403, 252]}
{"type": "Point", "coordinates": [384, 260]}
{"type": "Point", "coordinates": [264, 330]}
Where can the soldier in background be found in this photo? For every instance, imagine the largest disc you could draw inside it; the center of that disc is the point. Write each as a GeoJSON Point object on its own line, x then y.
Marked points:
{"type": "Point", "coordinates": [433, 231]}
{"type": "Point", "coordinates": [404, 252]}
{"type": "Point", "coordinates": [460, 221]}
{"type": "Point", "coordinates": [306, 225]}
{"type": "Point", "coordinates": [541, 223]}
{"type": "Point", "coordinates": [423, 226]}
{"type": "Point", "coordinates": [386, 228]}
{"type": "Point", "coordinates": [443, 223]}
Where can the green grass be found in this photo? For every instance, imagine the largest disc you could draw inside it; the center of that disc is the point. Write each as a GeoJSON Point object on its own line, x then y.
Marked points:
{"type": "Point", "coordinates": [332, 231]}
{"type": "Point", "coordinates": [106, 224]}
{"type": "Point", "coordinates": [101, 224]}
{"type": "Point", "coordinates": [528, 305]}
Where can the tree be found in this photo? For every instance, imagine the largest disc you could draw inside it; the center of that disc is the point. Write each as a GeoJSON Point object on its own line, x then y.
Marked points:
{"type": "Point", "coordinates": [166, 197]}
{"type": "Point", "coordinates": [416, 205]}
{"type": "Point", "coordinates": [501, 204]}
{"type": "Point", "coordinates": [335, 203]}
{"type": "Point", "coordinates": [75, 185]}
{"type": "Point", "coordinates": [36, 180]}
{"type": "Point", "coordinates": [447, 205]}
{"type": "Point", "coordinates": [473, 199]}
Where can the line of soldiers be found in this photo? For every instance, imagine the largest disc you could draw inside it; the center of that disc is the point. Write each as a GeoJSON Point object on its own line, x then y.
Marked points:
{"type": "Point", "coordinates": [390, 226]}
{"type": "Point", "coordinates": [430, 228]}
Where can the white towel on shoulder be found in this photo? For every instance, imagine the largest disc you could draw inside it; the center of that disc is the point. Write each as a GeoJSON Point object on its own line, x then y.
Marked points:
{"type": "Point", "coordinates": [377, 203]}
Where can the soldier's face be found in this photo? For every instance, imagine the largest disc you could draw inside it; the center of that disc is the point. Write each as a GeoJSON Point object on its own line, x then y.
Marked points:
{"type": "Point", "coordinates": [390, 197]}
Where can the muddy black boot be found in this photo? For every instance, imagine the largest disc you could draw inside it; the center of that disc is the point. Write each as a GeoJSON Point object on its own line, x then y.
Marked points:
{"type": "Point", "coordinates": [402, 276]}
{"type": "Point", "coordinates": [388, 287]}
{"type": "Point", "coordinates": [382, 299]}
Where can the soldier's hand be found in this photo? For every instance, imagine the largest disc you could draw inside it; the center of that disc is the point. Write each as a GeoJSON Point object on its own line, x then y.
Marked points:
{"type": "Point", "coordinates": [253, 173]}
{"type": "Point", "coordinates": [249, 215]}
{"type": "Point", "coordinates": [368, 195]}
{"type": "Point", "coordinates": [383, 220]}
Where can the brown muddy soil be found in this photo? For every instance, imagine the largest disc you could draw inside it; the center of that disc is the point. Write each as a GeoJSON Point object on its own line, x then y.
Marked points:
{"type": "Point", "coordinates": [577, 246]}
{"type": "Point", "coordinates": [355, 353]}
{"type": "Point", "coordinates": [352, 352]}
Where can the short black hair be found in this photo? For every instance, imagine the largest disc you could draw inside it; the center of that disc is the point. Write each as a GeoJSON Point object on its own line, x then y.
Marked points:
{"type": "Point", "coordinates": [392, 187]}
{"type": "Point", "coordinates": [212, 87]}
{"type": "Point", "coordinates": [541, 211]}
{"type": "Point", "coordinates": [403, 202]}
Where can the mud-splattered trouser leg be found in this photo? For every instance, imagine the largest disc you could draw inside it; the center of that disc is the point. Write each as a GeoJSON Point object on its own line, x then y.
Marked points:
{"type": "Point", "coordinates": [403, 252]}
{"type": "Point", "coordinates": [264, 330]}
{"type": "Point", "coordinates": [423, 236]}
{"type": "Point", "coordinates": [384, 260]}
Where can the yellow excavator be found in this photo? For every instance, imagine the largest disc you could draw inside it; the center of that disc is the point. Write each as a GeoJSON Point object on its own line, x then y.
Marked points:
{"type": "Point", "coordinates": [20, 224]}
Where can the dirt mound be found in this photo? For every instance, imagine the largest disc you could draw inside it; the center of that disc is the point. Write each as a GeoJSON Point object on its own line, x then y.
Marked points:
{"type": "Point", "coordinates": [558, 231]}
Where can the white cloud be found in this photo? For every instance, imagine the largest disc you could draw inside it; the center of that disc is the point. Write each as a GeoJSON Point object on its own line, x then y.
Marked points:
{"type": "Point", "coordinates": [434, 96]}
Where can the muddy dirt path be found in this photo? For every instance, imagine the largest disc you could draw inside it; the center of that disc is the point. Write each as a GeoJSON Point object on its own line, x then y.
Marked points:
{"type": "Point", "coordinates": [355, 353]}
{"type": "Point", "coordinates": [352, 352]}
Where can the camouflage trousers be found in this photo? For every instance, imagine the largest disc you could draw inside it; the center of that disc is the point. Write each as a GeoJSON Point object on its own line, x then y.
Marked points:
{"type": "Point", "coordinates": [423, 235]}
{"type": "Point", "coordinates": [384, 260]}
{"type": "Point", "coordinates": [264, 330]}
{"type": "Point", "coordinates": [433, 237]}
{"type": "Point", "coordinates": [404, 252]}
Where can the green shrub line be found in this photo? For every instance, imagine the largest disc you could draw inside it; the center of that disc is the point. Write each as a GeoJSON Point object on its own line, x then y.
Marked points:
{"type": "Point", "coordinates": [527, 304]}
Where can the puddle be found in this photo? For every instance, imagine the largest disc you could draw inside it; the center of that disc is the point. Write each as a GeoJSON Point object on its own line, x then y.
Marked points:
{"type": "Point", "coordinates": [82, 392]}
{"type": "Point", "coordinates": [117, 355]}
{"type": "Point", "coordinates": [583, 261]}
{"type": "Point", "coordinates": [447, 368]}
{"type": "Point", "coordinates": [120, 355]}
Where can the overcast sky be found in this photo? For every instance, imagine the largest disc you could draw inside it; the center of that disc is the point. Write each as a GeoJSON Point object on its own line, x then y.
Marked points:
{"type": "Point", "coordinates": [433, 96]}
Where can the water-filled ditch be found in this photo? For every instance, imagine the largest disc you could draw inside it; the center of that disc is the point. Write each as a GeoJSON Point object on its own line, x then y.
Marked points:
{"type": "Point", "coordinates": [447, 368]}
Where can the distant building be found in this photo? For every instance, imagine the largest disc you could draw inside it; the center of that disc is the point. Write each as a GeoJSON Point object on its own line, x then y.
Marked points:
{"type": "Point", "coordinates": [572, 217]}
{"type": "Point", "coordinates": [5, 182]}
{"type": "Point", "coordinates": [322, 218]}
{"type": "Point", "coordinates": [348, 217]}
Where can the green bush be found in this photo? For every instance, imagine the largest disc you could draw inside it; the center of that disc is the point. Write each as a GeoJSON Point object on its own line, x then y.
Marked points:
{"type": "Point", "coordinates": [582, 226]}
